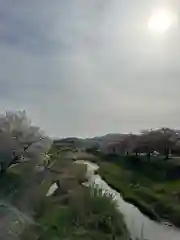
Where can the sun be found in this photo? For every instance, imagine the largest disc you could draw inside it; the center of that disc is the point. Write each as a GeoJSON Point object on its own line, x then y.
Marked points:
{"type": "Point", "coordinates": [160, 21]}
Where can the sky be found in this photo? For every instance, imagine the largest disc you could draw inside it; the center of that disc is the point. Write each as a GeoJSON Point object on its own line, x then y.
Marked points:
{"type": "Point", "coordinates": [89, 67]}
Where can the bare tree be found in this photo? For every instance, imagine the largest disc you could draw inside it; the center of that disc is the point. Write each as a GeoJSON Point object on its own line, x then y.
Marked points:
{"type": "Point", "coordinates": [20, 140]}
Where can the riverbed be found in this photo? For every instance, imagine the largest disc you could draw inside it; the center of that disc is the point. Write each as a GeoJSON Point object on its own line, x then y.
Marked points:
{"type": "Point", "coordinates": [137, 223]}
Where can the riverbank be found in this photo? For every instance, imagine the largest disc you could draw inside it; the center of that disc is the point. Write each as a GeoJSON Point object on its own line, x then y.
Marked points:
{"type": "Point", "coordinates": [74, 211]}
{"type": "Point", "coordinates": [156, 198]}
{"type": "Point", "coordinates": [137, 223]}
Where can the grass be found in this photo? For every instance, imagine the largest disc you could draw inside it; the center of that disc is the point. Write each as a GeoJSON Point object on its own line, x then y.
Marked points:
{"type": "Point", "coordinates": [87, 214]}
{"type": "Point", "coordinates": [75, 212]}
{"type": "Point", "coordinates": [155, 196]}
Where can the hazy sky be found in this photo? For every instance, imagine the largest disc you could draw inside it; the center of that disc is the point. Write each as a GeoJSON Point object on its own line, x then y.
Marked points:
{"type": "Point", "coordinates": [89, 67]}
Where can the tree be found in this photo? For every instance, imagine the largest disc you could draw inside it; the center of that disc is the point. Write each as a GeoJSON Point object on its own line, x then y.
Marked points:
{"type": "Point", "coordinates": [165, 140]}
{"type": "Point", "coordinates": [147, 142]}
{"type": "Point", "coordinates": [176, 148]}
{"type": "Point", "coordinates": [93, 149]}
{"type": "Point", "coordinates": [134, 144]}
{"type": "Point", "coordinates": [20, 140]}
{"type": "Point", "coordinates": [162, 140]}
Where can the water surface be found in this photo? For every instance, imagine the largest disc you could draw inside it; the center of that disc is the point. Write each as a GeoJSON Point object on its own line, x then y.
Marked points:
{"type": "Point", "coordinates": [137, 223]}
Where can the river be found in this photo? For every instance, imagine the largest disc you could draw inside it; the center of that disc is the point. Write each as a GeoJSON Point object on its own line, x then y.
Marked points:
{"type": "Point", "coordinates": [137, 223]}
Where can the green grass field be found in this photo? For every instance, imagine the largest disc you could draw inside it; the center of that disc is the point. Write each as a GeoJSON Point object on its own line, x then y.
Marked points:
{"type": "Point", "coordinates": [159, 199]}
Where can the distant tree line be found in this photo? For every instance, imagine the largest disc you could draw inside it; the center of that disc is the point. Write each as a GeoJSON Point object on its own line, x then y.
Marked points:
{"type": "Point", "coordinates": [162, 141]}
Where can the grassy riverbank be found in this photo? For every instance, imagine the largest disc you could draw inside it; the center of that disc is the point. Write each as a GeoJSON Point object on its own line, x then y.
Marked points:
{"type": "Point", "coordinates": [84, 214]}
{"type": "Point", "coordinates": [148, 189]}
{"type": "Point", "coordinates": [73, 212]}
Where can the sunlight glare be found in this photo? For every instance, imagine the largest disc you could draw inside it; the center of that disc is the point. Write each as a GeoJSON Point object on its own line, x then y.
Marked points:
{"type": "Point", "coordinates": [160, 21]}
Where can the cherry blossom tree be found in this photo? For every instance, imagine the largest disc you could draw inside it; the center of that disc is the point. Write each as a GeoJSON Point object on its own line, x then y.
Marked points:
{"type": "Point", "coordinates": [20, 140]}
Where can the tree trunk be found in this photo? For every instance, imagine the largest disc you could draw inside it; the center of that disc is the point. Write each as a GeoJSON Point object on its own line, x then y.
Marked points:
{"type": "Point", "coordinates": [167, 154]}
{"type": "Point", "coordinates": [149, 156]}
{"type": "Point", "coordinates": [137, 153]}
{"type": "Point", "coordinates": [166, 151]}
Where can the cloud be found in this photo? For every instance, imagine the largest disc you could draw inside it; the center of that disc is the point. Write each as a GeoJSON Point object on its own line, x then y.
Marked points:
{"type": "Point", "coordinates": [86, 68]}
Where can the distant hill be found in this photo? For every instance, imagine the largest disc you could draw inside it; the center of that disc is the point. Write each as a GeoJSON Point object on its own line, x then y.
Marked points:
{"type": "Point", "coordinates": [111, 137]}
{"type": "Point", "coordinates": [89, 142]}
{"type": "Point", "coordinates": [69, 142]}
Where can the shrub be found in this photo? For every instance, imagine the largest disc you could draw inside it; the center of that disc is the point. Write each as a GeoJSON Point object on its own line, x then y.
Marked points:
{"type": "Point", "coordinates": [87, 215]}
